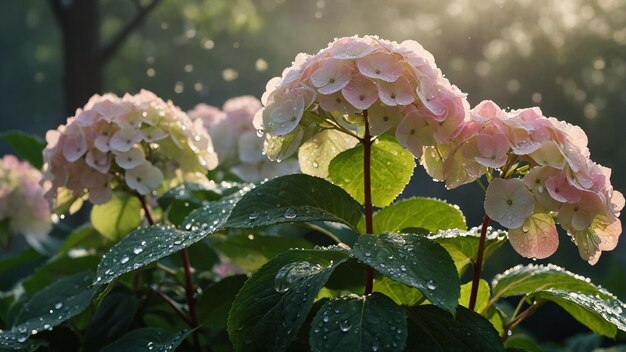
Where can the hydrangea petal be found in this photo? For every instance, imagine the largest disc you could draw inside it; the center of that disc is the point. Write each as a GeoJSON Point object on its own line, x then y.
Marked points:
{"type": "Point", "coordinates": [281, 118]}
{"type": "Point", "coordinates": [380, 65]}
{"type": "Point", "coordinates": [360, 92]}
{"type": "Point", "coordinates": [332, 76]}
{"type": "Point", "coordinates": [381, 118]}
{"type": "Point", "coordinates": [536, 238]}
{"type": "Point", "coordinates": [130, 159]}
{"type": "Point", "coordinates": [396, 93]}
{"type": "Point", "coordinates": [144, 178]}
{"type": "Point", "coordinates": [509, 202]}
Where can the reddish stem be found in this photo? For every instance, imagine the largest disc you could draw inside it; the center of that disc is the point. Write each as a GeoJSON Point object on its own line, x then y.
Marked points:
{"type": "Point", "coordinates": [146, 209]}
{"type": "Point", "coordinates": [189, 290]}
{"type": "Point", "coordinates": [367, 191]}
{"type": "Point", "coordinates": [478, 265]}
{"type": "Point", "coordinates": [191, 301]}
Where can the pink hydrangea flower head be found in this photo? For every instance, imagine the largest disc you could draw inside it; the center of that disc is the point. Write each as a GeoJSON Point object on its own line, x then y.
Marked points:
{"type": "Point", "coordinates": [397, 83]}
{"type": "Point", "coordinates": [134, 142]}
{"type": "Point", "coordinates": [558, 179]}
{"type": "Point", "coordinates": [237, 142]}
{"type": "Point", "coordinates": [23, 206]}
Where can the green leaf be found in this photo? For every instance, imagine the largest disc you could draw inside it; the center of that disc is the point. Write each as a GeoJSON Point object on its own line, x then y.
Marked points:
{"type": "Point", "coordinates": [429, 214]}
{"type": "Point", "coordinates": [482, 301]}
{"type": "Point", "coordinates": [601, 315]}
{"type": "Point", "coordinates": [274, 303]}
{"type": "Point", "coordinates": [117, 217]}
{"type": "Point", "coordinates": [26, 146]}
{"type": "Point", "coordinates": [352, 323]}
{"type": "Point", "coordinates": [56, 268]}
{"type": "Point", "coordinates": [149, 244]}
{"type": "Point", "coordinates": [294, 198]}
{"type": "Point", "coordinates": [216, 300]}
{"type": "Point", "coordinates": [436, 331]}
{"type": "Point", "coordinates": [482, 298]}
{"type": "Point", "coordinates": [251, 251]}
{"type": "Point", "coordinates": [112, 319]}
{"type": "Point", "coordinates": [415, 261]}
{"type": "Point", "coordinates": [10, 341]}
{"type": "Point", "coordinates": [83, 237]}
{"type": "Point", "coordinates": [148, 340]}
{"type": "Point", "coordinates": [583, 342]}
{"type": "Point", "coordinates": [401, 294]}
{"type": "Point", "coordinates": [143, 247]}
{"type": "Point", "coordinates": [522, 342]}
{"type": "Point", "coordinates": [391, 169]}
{"type": "Point", "coordinates": [213, 216]}
{"type": "Point", "coordinates": [523, 279]}
{"type": "Point", "coordinates": [463, 245]}
{"type": "Point", "coordinates": [315, 154]}
{"type": "Point", "coordinates": [15, 267]}
{"type": "Point", "coordinates": [181, 200]}
{"type": "Point", "coordinates": [54, 304]}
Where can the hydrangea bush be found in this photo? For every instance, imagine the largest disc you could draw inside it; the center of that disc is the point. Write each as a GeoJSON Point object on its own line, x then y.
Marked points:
{"type": "Point", "coordinates": [183, 253]}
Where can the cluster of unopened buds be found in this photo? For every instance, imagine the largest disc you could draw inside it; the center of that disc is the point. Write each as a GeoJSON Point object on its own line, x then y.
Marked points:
{"type": "Point", "coordinates": [23, 207]}
{"type": "Point", "coordinates": [367, 86]}
{"type": "Point", "coordinates": [236, 141]}
{"type": "Point", "coordinates": [133, 143]}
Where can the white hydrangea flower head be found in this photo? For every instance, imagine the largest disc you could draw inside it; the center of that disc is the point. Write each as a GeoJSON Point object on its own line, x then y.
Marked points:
{"type": "Point", "coordinates": [237, 141]}
{"type": "Point", "coordinates": [131, 143]}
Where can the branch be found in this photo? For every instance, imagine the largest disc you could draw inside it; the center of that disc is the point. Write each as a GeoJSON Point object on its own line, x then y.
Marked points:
{"type": "Point", "coordinates": [113, 46]}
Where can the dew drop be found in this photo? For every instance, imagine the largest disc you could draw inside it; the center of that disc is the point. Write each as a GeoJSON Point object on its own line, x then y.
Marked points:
{"type": "Point", "coordinates": [431, 284]}
{"type": "Point", "coordinates": [345, 326]}
{"type": "Point", "coordinates": [124, 260]}
{"type": "Point", "coordinates": [58, 305]}
{"type": "Point", "coordinates": [290, 213]}
{"type": "Point", "coordinates": [137, 250]}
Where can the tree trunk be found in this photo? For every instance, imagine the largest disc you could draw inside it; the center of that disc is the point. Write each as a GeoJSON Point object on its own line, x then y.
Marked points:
{"type": "Point", "coordinates": [80, 26]}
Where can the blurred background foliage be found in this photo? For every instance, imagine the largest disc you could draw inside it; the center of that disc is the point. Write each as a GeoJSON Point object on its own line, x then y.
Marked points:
{"type": "Point", "coordinates": [568, 57]}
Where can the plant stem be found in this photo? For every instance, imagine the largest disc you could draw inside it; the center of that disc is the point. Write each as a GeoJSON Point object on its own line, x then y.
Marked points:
{"type": "Point", "coordinates": [170, 302]}
{"type": "Point", "coordinates": [367, 199]}
{"type": "Point", "coordinates": [189, 290]}
{"type": "Point", "coordinates": [478, 265]}
{"type": "Point", "coordinates": [146, 209]}
{"type": "Point", "coordinates": [518, 320]}
{"type": "Point", "coordinates": [191, 302]}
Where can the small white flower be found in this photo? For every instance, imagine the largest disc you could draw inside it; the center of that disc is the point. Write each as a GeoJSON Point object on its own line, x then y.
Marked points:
{"type": "Point", "coordinates": [509, 202]}
{"type": "Point", "coordinates": [144, 178]}
{"type": "Point", "coordinates": [130, 159]}
{"type": "Point", "coordinates": [124, 139]}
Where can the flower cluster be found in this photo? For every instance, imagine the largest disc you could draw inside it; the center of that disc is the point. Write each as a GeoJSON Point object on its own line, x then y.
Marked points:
{"type": "Point", "coordinates": [397, 87]}
{"type": "Point", "coordinates": [236, 141]}
{"type": "Point", "coordinates": [23, 207]}
{"type": "Point", "coordinates": [132, 143]}
{"type": "Point", "coordinates": [558, 178]}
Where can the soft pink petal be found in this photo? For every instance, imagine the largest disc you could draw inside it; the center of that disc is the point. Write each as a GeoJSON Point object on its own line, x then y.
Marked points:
{"type": "Point", "coordinates": [536, 238]}
{"type": "Point", "coordinates": [360, 92]}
